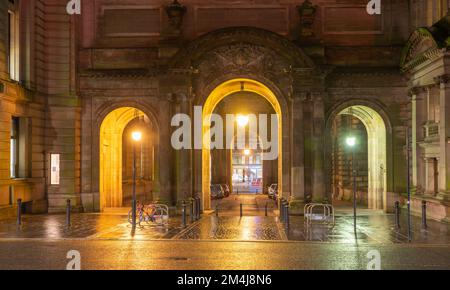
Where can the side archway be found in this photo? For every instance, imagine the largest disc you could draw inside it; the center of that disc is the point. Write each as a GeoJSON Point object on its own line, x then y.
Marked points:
{"type": "Point", "coordinates": [113, 125]}
{"type": "Point", "coordinates": [378, 130]}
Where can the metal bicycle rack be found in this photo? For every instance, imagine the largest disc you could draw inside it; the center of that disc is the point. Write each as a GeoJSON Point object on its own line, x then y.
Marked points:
{"type": "Point", "coordinates": [160, 215]}
{"type": "Point", "coordinates": [325, 216]}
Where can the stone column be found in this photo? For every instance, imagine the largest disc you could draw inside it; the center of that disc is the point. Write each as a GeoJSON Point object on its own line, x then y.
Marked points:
{"type": "Point", "coordinates": [298, 154]}
{"type": "Point", "coordinates": [420, 116]}
{"type": "Point", "coordinates": [414, 126]}
{"type": "Point", "coordinates": [444, 133]}
{"type": "Point", "coordinates": [318, 147]}
{"type": "Point", "coordinates": [183, 160]}
{"type": "Point", "coordinates": [165, 154]}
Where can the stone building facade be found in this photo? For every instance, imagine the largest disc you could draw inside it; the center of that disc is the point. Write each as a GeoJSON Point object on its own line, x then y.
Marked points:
{"type": "Point", "coordinates": [71, 85]}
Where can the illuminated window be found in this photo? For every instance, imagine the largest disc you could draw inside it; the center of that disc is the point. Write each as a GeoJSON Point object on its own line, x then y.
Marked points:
{"type": "Point", "coordinates": [19, 148]}
{"type": "Point", "coordinates": [13, 40]}
{"type": "Point", "coordinates": [14, 148]}
{"type": "Point", "coordinates": [55, 169]}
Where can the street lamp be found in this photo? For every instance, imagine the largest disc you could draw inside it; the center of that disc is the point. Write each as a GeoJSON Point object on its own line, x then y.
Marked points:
{"type": "Point", "coordinates": [137, 137]}
{"type": "Point", "coordinates": [242, 121]}
{"type": "Point", "coordinates": [351, 143]}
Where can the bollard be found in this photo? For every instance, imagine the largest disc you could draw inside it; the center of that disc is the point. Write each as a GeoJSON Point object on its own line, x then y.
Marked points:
{"type": "Point", "coordinates": [198, 207]}
{"type": "Point", "coordinates": [397, 214]}
{"type": "Point", "coordinates": [242, 212]}
{"type": "Point", "coordinates": [267, 209]}
{"type": "Point", "coordinates": [68, 223]}
{"type": "Point", "coordinates": [192, 210]}
{"type": "Point", "coordinates": [281, 210]}
{"type": "Point", "coordinates": [183, 212]}
{"type": "Point", "coordinates": [19, 212]}
{"type": "Point", "coordinates": [424, 215]}
{"type": "Point", "coordinates": [286, 220]}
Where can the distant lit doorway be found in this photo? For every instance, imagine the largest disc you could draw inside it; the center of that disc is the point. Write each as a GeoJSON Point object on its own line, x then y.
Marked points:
{"type": "Point", "coordinates": [247, 171]}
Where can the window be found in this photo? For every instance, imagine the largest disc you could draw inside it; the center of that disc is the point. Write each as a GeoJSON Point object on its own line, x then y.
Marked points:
{"type": "Point", "coordinates": [14, 148]}
{"type": "Point", "coordinates": [13, 40]}
{"type": "Point", "coordinates": [19, 148]}
{"type": "Point", "coordinates": [55, 169]}
{"type": "Point", "coordinates": [443, 7]}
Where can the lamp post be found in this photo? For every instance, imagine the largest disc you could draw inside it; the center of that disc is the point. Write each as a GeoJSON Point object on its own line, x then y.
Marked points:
{"type": "Point", "coordinates": [137, 136]}
{"type": "Point", "coordinates": [351, 143]}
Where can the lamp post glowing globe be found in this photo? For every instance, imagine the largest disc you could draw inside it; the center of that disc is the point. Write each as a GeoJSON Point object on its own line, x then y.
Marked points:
{"type": "Point", "coordinates": [137, 136]}
{"type": "Point", "coordinates": [242, 121]}
{"type": "Point", "coordinates": [351, 141]}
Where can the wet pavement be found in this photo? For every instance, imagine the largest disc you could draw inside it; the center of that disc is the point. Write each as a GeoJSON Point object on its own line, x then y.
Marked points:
{"type": "Point", "coordinates": [252, 205]}
{"type": "Point", "coordinates": [234, 228]}
{"type": "Point", "coordinates": [377, 228]}
{"type": "Point", "coordinates": [85, 226]}
{"type": "Point", "coordinates": [224, 242]}
{"type": "Point", "coordinates": [217, 255]}
{"type": "Point", "coordinates": [227, 225]}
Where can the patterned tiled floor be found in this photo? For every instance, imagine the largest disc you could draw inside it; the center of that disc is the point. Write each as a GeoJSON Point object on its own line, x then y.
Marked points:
{"type": "Point", "coordinates": [233, 228]}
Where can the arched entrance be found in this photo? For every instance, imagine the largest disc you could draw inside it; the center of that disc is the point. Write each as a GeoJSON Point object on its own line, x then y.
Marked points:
{"type": "Point", "coordinates": [369, 157]}
{"type": "Point", "coordinates": [215, 97]}
{"type": "Point", "coordinates": [116, 157]}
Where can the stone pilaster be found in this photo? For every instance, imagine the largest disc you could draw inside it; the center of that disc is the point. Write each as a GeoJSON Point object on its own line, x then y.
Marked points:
{"type": "Point", "coordinates": [298, 155]}
{"type": "Point", "coordinates": [444, 133]}
{"type": "Point", "coordinates": [416, 126]}
{"type": "Point", "coordinates": [318, 145]}
{"type": "Point", "coordinates": [165, 153]}
{"type": "Point", "coordinates": [183, 157]}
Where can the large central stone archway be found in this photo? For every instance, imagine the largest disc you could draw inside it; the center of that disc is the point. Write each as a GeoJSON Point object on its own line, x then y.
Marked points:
{"type": "Point", "coordinates": [218, 94]}
{"type": "Point", "coordinates": [215, 65]}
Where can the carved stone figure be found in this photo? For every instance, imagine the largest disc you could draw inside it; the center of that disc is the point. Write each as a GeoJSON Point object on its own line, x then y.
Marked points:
{"type": "Point", "coordinates": [175, 12]}
{"type": "Point", "coordinates": [307, 13]}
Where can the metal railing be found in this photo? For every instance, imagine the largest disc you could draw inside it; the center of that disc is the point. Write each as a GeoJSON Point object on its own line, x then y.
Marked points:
{"type": "Point", "coordinates": [326, 215]}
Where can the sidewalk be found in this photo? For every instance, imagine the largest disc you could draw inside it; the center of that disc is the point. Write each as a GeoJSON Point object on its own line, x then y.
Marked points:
{"type": "Point", "coordinates": [372, 229]}
{"type": "Point", "coordinates": [84, 226]}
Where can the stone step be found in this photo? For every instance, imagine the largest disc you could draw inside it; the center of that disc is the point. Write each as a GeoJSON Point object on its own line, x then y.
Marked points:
{"type": "Point", "coordinates": [116, 210]}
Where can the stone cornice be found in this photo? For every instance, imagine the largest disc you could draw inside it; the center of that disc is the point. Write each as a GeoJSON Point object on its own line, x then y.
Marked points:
{"type": "Point", "coordinates": [442, 79]}
{"type": "Point", "coordinates": [113, 74]}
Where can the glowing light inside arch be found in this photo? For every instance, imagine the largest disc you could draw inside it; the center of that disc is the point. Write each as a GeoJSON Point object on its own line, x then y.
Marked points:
{"type": "Point", "coordinates": [111, 132]}
{"type": "Point", "coordinates": [216, 96]}
{"type": "Point", "coordinates": [377, 156]}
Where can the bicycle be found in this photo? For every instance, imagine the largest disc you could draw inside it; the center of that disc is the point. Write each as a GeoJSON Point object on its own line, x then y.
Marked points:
{"type": "Point", "coordinates": [152, 213]}
{"type": "Point", "coordinates": [144, 213]}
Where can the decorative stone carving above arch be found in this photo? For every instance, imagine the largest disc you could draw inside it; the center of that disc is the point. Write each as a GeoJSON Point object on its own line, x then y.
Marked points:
{"type": "Point", "coordinates": [245, 52]}
{"type": "Point", "coordinates": [230, 37]}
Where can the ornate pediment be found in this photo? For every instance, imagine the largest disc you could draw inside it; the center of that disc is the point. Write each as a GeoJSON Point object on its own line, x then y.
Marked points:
{"type": "Point", "coordinates": [426, 44]}
{"type": "Point", "coordinates": [420, 48]}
